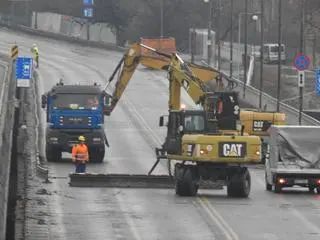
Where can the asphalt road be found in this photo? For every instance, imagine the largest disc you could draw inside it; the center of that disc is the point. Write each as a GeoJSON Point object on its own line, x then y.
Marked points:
{"type": "Point", "coordinates": [83, 213]}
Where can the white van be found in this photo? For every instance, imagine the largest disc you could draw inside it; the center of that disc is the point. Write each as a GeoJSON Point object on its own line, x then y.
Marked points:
{"type": "Point", "coordinates": [270, 53]}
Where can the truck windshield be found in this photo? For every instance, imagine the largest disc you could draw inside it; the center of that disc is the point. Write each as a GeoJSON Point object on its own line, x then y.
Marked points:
{"type": "Point", "coordinates": [75, 101]}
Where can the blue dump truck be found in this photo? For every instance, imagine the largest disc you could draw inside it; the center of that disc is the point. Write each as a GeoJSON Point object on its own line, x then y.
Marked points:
{"type": "Point", "coordinates": [74, 110]}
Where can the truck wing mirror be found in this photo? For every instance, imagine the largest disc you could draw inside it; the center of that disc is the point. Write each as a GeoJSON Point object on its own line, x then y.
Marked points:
{"type": "Point", "coordinates": [43, 101]}
{"type": "Point", "coordinates": [107, 100]}
{"type": "Point", "coordinates": [161, 121]}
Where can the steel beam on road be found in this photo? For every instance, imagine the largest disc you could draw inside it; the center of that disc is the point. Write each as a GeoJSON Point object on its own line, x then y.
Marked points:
{"type": "Point", "coordinates": [130, 181]}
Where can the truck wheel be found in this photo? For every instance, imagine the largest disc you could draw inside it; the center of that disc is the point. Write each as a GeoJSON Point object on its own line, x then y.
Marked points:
{"type": "Point", "coordinates": [240, 184]}
{"type": "Point", "coordinates": [268, 186]}
{"type": "Point", "coordinates": [277, 188]}
{"type": "Point", "coordinates": [191, 182]}
{"type": "Point", "coordinates": [96, 154]}
{"type": "Point", "coordinates": [53, 155]}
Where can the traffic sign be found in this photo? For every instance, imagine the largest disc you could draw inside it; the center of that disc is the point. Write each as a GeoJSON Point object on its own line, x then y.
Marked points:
{"type": "Point", "coordinates": [88, 2]}
{"type": "Point", "coordinates": [24, 70]}
{"type": "Point", "coordinates": [301, 78]}
{"type": "Point", "coordinates": [317, 85]}
{"type": "Point", "coordinates": [301, 62]}
{"type": "Point", "coordinates": [88, 12]}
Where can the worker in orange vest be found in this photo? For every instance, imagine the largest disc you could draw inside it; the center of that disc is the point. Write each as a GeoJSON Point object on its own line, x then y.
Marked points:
{"type": "Point", "coordinates": [80, 155]}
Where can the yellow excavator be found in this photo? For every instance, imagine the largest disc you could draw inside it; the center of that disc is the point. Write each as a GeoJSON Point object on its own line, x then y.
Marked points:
{"type": "Point", "coordinates": [210, 144]}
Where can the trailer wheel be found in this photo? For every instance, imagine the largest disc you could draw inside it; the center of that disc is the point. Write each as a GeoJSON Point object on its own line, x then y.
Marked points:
{"type": "Point", "coordinates": [240, 184]}
{"type": "Point", "coordinates": [53, 155]}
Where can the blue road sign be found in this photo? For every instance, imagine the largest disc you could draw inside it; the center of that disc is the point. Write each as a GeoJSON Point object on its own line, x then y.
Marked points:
{"type": "Point", "coordinates": [24, 71]}
{"type": "Point", "coordinates": [317, 85]}
{"type": "Point", "coordinates": [88, 2]}
{"type": "Point", "coordinates": [88, 12]}
{"type": "Point", "coordinates": [301, 62]}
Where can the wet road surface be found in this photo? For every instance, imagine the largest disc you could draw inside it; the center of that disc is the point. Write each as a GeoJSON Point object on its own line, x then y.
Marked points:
{"type": "Point", "coordinates": [133, 132]}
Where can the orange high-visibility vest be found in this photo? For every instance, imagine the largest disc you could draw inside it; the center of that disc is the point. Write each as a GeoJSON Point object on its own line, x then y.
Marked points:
{"type": "Point", "coordinates": [80, 152]}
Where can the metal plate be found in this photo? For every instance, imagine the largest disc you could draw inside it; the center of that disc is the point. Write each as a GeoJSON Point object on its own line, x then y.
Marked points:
{"type": "Point", "coordinates": [129, 181]}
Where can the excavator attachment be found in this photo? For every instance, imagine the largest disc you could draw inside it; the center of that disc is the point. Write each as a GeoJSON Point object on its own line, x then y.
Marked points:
{"type": "Point", "coordinates": [152, 60]}
{"type": "Point", "coordinates": [130, 181]}
{"type": "Point", "coordinates": [147, 181]}
{"type": "Point", "coordinates": [121, 181]}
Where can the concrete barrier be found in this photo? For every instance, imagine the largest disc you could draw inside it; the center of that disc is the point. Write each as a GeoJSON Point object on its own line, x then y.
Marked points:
{"type": "Point", "coordinates": [6, 131]}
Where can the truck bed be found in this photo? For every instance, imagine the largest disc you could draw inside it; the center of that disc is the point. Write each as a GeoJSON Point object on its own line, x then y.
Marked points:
{"type": "Point", "coordinates": [292, 169]}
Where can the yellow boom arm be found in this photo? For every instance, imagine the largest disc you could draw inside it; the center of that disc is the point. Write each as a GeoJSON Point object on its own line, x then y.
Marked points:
{"type": "Point", "coordinates": [181, 75]}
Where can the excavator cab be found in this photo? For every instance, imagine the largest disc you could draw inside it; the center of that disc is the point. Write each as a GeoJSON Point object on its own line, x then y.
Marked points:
{"type": "Point", "coordinates": [224, 113]}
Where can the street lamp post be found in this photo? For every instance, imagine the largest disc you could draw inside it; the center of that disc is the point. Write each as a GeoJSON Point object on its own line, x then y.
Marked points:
{"type": "Point", "coordinates": [261, 53]}
{"type": "Point", "coordinates": [302, 12]}
{"type": "Point", "coordinates": [254, 17]}
{"type": "Point", "coordinates": [218, 33]}
{"type": "Point", "coordinates": [209, 42]}
{"type": "Point", "coordinates": [161, 20]}
{"type": "Point", "coordinates": [231, 39]}
{"type": "Point", "coordinates": [279, 53]}
{"type": "Point", "coordinates": [245, 47]}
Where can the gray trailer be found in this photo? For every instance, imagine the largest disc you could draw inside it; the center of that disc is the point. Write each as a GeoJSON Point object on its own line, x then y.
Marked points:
{"type": "Point", "coordinates": [293, 158]}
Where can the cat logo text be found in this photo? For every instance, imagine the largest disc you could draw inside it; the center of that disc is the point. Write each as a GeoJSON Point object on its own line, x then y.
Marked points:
{"type": "Point", "coordinates": [232, 149]}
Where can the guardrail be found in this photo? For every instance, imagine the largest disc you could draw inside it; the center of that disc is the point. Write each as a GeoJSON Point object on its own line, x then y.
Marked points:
{"type": "Point", "coordinates": [41, 169]}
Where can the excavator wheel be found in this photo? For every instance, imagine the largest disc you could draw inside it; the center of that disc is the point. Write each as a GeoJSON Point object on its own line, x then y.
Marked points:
{"type": "Point", "coordinates": [240, 184]}
{"type": "Point", "coordinates": [186, 183]}
{"type": "Point", "coordinates": [53, 155]}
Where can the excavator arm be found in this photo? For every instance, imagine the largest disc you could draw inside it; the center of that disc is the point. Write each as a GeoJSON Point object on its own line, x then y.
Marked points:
{"type": "Point", "coordinates": [125, 69]}
{"type": "Point", "coordinates": [191, 76]}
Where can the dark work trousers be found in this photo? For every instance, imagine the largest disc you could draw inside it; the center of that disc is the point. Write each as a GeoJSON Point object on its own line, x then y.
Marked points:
{"type": "Point", "coordinates": [80, 167]}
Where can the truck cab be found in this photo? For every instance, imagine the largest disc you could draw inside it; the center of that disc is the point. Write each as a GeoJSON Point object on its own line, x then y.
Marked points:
{"type": "Point", "coordinates": [71, 111]}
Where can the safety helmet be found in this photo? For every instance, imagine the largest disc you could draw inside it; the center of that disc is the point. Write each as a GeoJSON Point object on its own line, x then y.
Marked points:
{"type": "Point", "coordinates": [34, 45]}
{"type": "Point", "coordinates": [82, 138]}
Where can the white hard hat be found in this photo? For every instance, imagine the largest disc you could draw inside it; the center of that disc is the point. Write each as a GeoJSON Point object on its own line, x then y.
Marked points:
{"type": "Point", "coordinates": [34, 45]}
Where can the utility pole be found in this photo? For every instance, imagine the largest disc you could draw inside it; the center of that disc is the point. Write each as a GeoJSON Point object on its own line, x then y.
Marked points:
{"type": "Point", "coordinates": [161, 20]}
{"type": "Point", "coordinates": [261, 52]}
{"type": "Point", "coordinates": [218, 33]}
{"type": "Point", "coordinates": [231, 39]}
{"type": "Point", "coordinates": [245, 47]}
{"type": "Point", "coordinates": [302, 2]}
{"type": "Point", "coordinates": [279, 53]}
{"type": "Point", "coordinates": [209, 43]}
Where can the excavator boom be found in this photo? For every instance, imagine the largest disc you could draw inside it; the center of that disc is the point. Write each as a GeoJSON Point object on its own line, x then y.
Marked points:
{"type": "Point", "coordinates": [128, 63]}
